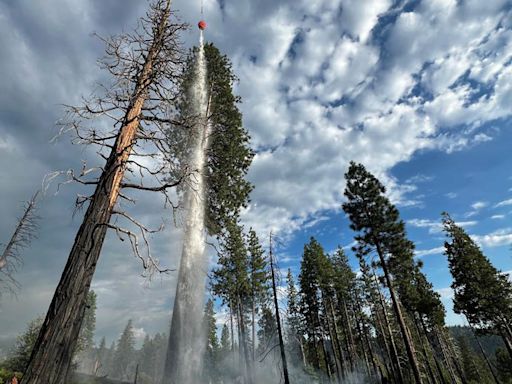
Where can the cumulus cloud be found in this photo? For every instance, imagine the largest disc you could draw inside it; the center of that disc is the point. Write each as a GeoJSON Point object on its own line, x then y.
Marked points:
{"type": "Point", "coordinates": [436, 226]}
{"type": "Point", "coordinates": [504, 203]}
{"type": "Point", "coordinates": [432, 251]}
{"type": "Point", "coordinates": [497, 238]}
{"type": "Point", "coordinates": [322, 82]}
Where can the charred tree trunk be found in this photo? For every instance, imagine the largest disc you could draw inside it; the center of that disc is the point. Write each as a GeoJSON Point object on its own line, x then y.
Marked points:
{"type": "Point", "coordinates": [411, 354]}
{"type": "Point", "coordinates": [53, 351]}
{"type": "Point", "coordinates": [278, 317]}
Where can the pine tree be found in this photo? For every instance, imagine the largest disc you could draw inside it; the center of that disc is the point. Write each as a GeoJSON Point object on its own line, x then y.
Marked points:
{"type": "Point", "coordinates": [144, 65]}
{"type": "Point", "coordinates": [472, 365]}
{"type": "Point", "coordinates": [148, 357]}
{"type": "Point", "coordinates": [125, 351]}
{"type": "Point", "coordinates": [380, 229]}
{"type": "Point", "coordinates": [504, 366]}
{"type": "Point", "coordinates": [295, 335]}
{"type": "Point", "coordinates": [481, 292]}
{"type": "Point", "coordinates": [258, 276]}
{"type": "Point", "coordinates": [232, 284]}
{"type": "Point", "coordinates": [100, 363]}
{"type": "Point", "coordinates": [211, 359]}
{"type": "Point", "coordinates": [267, 332]}
{"type": "Point", "coordinates": [229, 154]}
{"type": "Point", "coordinates": [18, 359]}
{"type": "Point", "coordinates": [225, 343]}
{"type": "Point", "coordinates": [311, 281]}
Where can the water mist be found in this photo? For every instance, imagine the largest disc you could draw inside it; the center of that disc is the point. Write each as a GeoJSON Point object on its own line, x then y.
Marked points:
{"type": "Point", "coordinates": [187, 343]}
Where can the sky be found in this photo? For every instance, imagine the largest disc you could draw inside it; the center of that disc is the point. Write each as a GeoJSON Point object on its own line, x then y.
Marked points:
{"type": "Point", "coordinates": [417, 91]}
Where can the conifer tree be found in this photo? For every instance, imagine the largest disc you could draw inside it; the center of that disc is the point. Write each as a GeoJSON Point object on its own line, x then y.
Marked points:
{"type": "Point", "coordinates": [471, 364]}
{"type": "Point", "coordinates": [211, 359]}
{"type": "Point", "coordinates": [258, 276]}
{"type": "Point", "coordinates": [100, 368]}
{"type": "Point", "coordinates": [312, 281]}
{"type": "Point", "coordinates": [504, 366]}
{"type": "Point", "coordinates": [481, 292]}
{"type": "Point", "coordinates": [144, 66]}
{"type": "Point", "coordinates": [380, 229]}
{"type": "Point", "coordinates": [225, 343]}
{"type": "Point", "coordinates": [147, 357]}
{"type": "Point", "coordinates": [295, 335]}
{"type": "Point", "coordinates": [124, 354]}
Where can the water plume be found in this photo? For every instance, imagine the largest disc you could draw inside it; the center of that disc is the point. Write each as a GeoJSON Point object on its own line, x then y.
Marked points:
{"type": "Point", "coordinates": [187, 339]}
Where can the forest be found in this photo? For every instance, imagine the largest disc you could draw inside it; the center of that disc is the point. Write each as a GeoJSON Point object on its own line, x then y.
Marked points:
{"type": "Point", "coordinates": [381, 323]}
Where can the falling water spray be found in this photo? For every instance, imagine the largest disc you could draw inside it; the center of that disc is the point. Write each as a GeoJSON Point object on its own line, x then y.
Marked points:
{"type": "Point", "coordinates": [187, 340]}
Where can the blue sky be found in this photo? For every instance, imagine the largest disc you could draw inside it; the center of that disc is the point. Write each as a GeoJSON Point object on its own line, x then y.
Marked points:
{"type": "Point", "coordinates": [418, 91]}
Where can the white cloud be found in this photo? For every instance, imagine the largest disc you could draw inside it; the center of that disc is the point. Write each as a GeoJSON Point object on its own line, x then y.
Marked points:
{"type": "Point", "coordinates": [426, 252]}
{"type": "Point", "coordinates": [497, 217]}
{"type": "Point", "coordinates": [504, 203]}
{"type": "Point", "coordinates": [479, 205]}
{"type": "Point", "coordinates": [495, 239]}
{"type": "Point", "coordinates": [436, 226]}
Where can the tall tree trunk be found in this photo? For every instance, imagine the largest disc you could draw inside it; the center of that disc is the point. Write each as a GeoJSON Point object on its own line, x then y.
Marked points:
{"type": "Point", "coordinates": [232, 332]}
{"type": "Point", "coordinates": [365, 338]}
{"type": "Point", "coordinates": [243, 341]}
{"type": "Point", "coordinates": [253, 310]}
{"type": "Point", "coordinates": [395, 360]}
{"type": "Point", "coordinates": [53, 351]}
{"type": "Point", "coordinates": [455, 358]}
{"type": "Point", "coordinates": [411, 354]}
{"type": "Point", "coordinates": [433, 352]}
{"type": "Point", "coordinates": [278, 317]}
{"type": "Point", "coordinates": [446, 356]}
{"type": "Point", "coordinates": [431, 373]}
{"type": "Point", "coordinates": [350, 344]}
{"type": "Point", "coordinates": [337, 362]}
{"type": "Point", "coordinates": [337, 341]}
{"type": "Point", "coordinates": [489, 365]}
{"type": "Point", "coordinates": [363, 348]}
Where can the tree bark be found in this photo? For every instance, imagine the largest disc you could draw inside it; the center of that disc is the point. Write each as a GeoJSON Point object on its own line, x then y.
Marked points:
{"type": "Point", "coordinates": [350, 344]}
{"type": "Point", "coordinates": [394, 350]}
{"type": "Point", "coordinates": [53, 351]}
{"type": "Point", "coordinates": [401, 321]}
{"type": "Point", "coordinates": [495, 378]}
{"type": "Point", "coordinates": [278, 318]}
{"type": "Point", "coordinates": [431, 373]}
{"type": "Point", "coordinates": [337, 341]}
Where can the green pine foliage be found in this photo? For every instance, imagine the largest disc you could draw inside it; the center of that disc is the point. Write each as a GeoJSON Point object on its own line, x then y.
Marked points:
{"type": "Point", "coordinates": [123, 367]}
{"type": "Point", "coordinates": [481, 292]}
{"type": "Point", "coordinates": [211, 357]}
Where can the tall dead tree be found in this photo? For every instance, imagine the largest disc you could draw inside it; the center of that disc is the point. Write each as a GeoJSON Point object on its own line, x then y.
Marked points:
{"type": "Point", "coordinates": [10, 259]}
{"type": "Point", "coordinates": [145, 65]}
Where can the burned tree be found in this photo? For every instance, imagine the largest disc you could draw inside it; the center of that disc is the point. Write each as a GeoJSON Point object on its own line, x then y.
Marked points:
{"type": "Point", "coordinates": [10, 259]}
{"type": "Point", "coordinates": [145, 66]}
